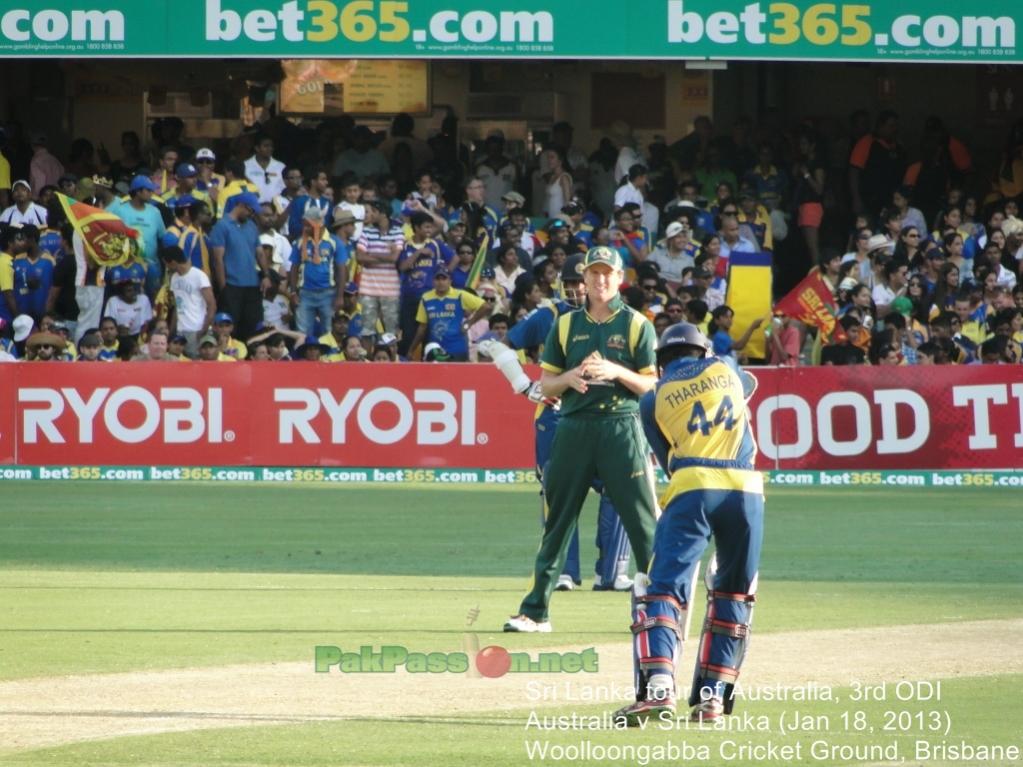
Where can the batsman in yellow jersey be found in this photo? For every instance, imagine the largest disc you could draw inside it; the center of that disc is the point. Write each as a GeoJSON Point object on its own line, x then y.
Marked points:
{"type": "Point", "coordinates": [697, 424]}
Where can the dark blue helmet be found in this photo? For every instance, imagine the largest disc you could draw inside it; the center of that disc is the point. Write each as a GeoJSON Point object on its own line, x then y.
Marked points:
{"type": "Point", "coordinates": [680, 336]}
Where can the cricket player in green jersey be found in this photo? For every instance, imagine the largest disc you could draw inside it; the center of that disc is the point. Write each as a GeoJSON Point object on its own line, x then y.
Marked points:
{"type": "Point", "coordinates": [599, 360]}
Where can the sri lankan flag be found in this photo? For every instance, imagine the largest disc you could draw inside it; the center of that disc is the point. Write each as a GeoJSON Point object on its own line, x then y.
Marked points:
{"type": "Point", "coordinates": [812, 303]}
{"type": "Point", "coordinates": [107, 240]}
{"type": "Point", "coordinates": [473, 279]}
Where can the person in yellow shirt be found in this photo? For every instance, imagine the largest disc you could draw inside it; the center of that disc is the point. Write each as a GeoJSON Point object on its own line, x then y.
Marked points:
{"type": "Point", "coordinates": [755, 215]}
{"type": "Point", "coordinates": [223, 327]}
{"type": "Point", "coordinates": [209, 350]}
{"type": "Point", "coordinates": [235, 183]}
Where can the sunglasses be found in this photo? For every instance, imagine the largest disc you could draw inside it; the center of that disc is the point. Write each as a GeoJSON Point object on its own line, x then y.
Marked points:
{"type": "Point", "coordinates": [204, 162]}
{"type": "Point", "coordinates": [490, 299]}
{"type": "Point", "coordinates": [46, 346]}
{"type": "Point", "coordinates": [649, 287]}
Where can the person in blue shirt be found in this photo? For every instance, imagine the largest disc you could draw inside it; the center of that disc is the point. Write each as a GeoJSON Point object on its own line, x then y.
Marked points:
{"type": "Point", "coordinates": [318, 183]}
{"type": "Point", "coordinates": [420, 259]}
{"type": "Point", "coordinates": [319, 265]}
{"type": "Point", "coordinates": [241, 271]}
{"type": "Point", "coordinates": [190, 217]}
{"type": "Point", "coordinates": [33, 275]}
{"type": "Point", "coordinates": [718, 329]}
{"type": "Point", "coordinates": [142, 214]}
{"type": "Point", "coordinates": [612, 566]}
{"type": "Point", "coordinates": [445, 316]}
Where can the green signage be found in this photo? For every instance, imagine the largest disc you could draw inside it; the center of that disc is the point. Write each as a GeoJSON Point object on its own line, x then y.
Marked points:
{"type": "Point", "coordinates": [935, 30]}
{"type": "Point", "coordinates": [489, 477]}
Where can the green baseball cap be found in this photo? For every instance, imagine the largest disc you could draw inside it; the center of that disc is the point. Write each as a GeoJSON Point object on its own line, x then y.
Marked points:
{"type": "Point", "coordinates": [902, 305]}
{"type": "Point", "coordinates": [603, 255]}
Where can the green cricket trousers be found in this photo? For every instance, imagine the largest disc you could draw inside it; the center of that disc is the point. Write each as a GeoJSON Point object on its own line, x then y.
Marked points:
{"type": "Point", "coordinates": [588, 446]}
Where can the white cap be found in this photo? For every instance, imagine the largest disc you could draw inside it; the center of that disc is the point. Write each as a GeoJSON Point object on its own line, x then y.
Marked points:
{"type": "Point", "coordinates": [205, 154]}
{"type": "Point", "coordinates": [389, 338]}
{"type": "Point", "coordinates": [22, 326]}
{"type": "Point", "coordinates": [675, 228]}
{"type": "Point", "coordinates": [267, 239]}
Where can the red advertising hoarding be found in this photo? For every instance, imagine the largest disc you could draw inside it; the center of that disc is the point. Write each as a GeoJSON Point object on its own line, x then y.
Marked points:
{"type": "Point", "coordinates": [431, 416]}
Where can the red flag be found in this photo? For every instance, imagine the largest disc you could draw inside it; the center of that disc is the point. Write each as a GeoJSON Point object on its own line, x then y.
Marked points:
{"type": "Point", "coordinates": [108, 241]}
{"type": "Point", "coordinates": [812, 303]}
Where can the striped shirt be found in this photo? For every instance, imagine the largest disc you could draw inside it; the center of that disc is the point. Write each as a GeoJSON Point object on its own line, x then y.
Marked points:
{"type": "Point", "coordinates": [381, 280]}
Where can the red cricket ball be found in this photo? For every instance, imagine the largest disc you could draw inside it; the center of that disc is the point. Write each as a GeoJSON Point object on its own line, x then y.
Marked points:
{"type": "Point", "coordinates": [493, 661]}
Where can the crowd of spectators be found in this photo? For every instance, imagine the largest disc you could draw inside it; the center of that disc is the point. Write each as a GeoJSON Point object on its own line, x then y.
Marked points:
{"type": "Point", "coordinates": [333, 243]}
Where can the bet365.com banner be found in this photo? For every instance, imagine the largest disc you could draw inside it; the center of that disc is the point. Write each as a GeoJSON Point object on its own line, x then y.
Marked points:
{"type": "Point", "coordinates": [912, 30]}
{"type": "Point", "coordinates": [439, 417]}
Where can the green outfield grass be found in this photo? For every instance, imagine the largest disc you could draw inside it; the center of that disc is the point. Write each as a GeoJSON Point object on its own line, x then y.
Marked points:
{"type": "Point", "coordinates": [102, 577]}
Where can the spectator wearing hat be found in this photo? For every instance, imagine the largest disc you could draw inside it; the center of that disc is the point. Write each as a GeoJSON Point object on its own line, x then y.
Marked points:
{"type": "Point", "coordinates": [23, 211]}
{"type": "Point", "coordinates": [445, 315]}
{"type": "Point", "coordinates": [208, 180]}
{"type": "Point", "coordinates": [498, 174]}
{"type": "Point", "coordinates": [191, 217]}
{"type": "Point", "coordinates": [223, 330]}
{"type": "Point", "coordinates": [378, 251]}
{"type": "Point", "coordinates": [55, 324]}
{"type": "Point", "coordinates": [194, 304]}
{"type": "Point", "coordinates": [350, 305]}
{"type": "Point", "coordinates": [176, 346]}
{"type": "Point", "coordinates": [319, 267]}
{"type": "Point", "coordinates": [44, 346]}
{"type": "Point", "coordinates": [186, 176]}
{"type": "Point", "coordinates": [311, 351]}
{"type": "Point", "coordinates": [142, 215]}
{"type": "Point", "coordinates": [674, 254]}
{"type": "Point", "coordinates": [45, 169]}
{"type": "Point", "coordinates": [210, 350]}
{"type": "Point", "coordinates": [334, 339]}
{"type": "Point", "coordinates": [264, 171]}
{"type": "Point", "coordinates": [510, 201]}
{"type": "Point", "coordinates": [33, 275]}
{"type": "Point", "coordinates": [420, 259]}
{"type": "Point", "coordinates": [14, 333]}
{"type": "Point", "coordinates": [240, 266]}
{"type": "Point", "coordinates": [102, 192]}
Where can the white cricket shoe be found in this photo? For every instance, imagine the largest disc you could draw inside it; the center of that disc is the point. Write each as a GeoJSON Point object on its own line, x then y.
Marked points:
{"type": "Point", "coordinates": [565, 583]}
{"type": "Point", "coordinates": [523, 624]}
{"type": "Point", "coordinates": [621, 583]}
